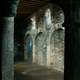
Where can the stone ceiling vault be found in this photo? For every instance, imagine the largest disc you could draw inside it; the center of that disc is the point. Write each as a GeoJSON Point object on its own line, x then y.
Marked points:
{"type": "Point", "coordinates": [28, 7]}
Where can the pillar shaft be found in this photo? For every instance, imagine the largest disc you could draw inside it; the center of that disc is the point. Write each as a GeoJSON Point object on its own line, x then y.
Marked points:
{"type": "Point", "coordinates": [25, 51]}
{"type": "Point", "coordinates": [34, 59]}
{"type": "Point", "coordinates": [8, 49]}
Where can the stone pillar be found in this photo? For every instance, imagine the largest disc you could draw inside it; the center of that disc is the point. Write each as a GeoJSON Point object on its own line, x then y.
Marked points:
{"type": "Point", "coordinates": [25, 50]}
{"type": "Point", "coordinates": [8, 11]}
{"type": "Point", "coordinates": [34, 55]}
{"type": "Point", "coordinates": [49, 33]}
{"type": "Point", "coordinates": [48, 49]}
{"type": "Point", "coordinates": [8, 49]}
{"type": "Point", "coordinates": [48, 53]}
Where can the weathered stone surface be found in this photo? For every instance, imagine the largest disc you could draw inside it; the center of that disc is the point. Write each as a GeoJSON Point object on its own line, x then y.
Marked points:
{"type": "Point", "coordinates": [48, 36]}
{"type": "Point", "coordinates": [8, 49]}
{"type": "Point", "coordinates": [57, 49]}
{"type": "Point", "coordinates": [41, 49]}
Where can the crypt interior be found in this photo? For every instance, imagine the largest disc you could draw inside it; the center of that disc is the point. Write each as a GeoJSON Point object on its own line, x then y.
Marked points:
{"type": "Point", "coordinates": [40, 40]}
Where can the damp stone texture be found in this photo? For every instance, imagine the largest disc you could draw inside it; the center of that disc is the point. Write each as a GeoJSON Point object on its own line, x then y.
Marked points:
{"type": "Point", "coordinates": [8, 49]}
{"type": "Point", "coordinates": [48, 35]}
{"type": "Point", "coordinates": [57, 49]}
{"type": "Point", "coordinates": [41, 49]}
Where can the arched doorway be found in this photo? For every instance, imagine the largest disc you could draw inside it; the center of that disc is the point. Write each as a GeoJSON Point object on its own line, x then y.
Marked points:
{"type": "Point", "coordinates": [28, 51]}
{"type": "Point", "coordinates": [57, 49]}
{"type": "Point", "coordinates": [41, 49]}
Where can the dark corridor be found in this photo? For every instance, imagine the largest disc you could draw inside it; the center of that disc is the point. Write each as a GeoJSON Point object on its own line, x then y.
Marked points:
{"type": "Point", "coordinates": [21, 17]}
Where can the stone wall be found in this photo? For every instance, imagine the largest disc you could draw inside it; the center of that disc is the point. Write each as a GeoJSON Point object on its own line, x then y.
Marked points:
{"type": "Point", "coordinates": [57, 49]}
{"type": "Point", "coordinates": [48, 37]}
{"type": "Point", "coordinates": [41, 49]}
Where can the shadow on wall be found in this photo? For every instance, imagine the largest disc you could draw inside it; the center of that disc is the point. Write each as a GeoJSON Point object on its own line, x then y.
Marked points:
{"type": "Point", "coordinates": [17, 56]}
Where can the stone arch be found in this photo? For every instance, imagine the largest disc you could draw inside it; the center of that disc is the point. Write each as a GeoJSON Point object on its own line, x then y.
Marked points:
{"type": "Point", "coordinates": [28, 48]}
{"type": "Point", "coordinates": [57, 49]}
{"type": "Point", "coordinates": [41, 48]}
{"type": "Point", "coordinates": [57, 39]}
{"type": "Point", "coordinates": [53, 14]}
{"type": "Point", "coordinates": [47, 18]}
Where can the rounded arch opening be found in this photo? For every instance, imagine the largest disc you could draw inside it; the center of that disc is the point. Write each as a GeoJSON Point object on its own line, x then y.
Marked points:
{"type": "Point", "coordinates": [41, 49]}
{"type": "Point", "coordinates": [57, 49]}
{"type": "Point", "coordinates": [28, 48]}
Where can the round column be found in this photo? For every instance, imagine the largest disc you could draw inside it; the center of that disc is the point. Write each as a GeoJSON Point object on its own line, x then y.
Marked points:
{"type": "Point", "coordinates": [8, 49]}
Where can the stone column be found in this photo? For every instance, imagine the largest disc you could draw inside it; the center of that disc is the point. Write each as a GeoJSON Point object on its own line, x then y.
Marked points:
{"type": "Point", "coordinates": [34, 55]}
{"type": "Point", "coordinates": [8, 12]}
{"type": "Point", "coordinates": [48, 47]}
{"type": "Point", "coordinates": [8, 49]}
{"type": "Point", "coordinates": [48, 50]}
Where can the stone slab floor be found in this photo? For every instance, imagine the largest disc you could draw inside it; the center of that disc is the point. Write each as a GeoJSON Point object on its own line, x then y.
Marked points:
{"type": "Point", "coordinates": [28, 71]}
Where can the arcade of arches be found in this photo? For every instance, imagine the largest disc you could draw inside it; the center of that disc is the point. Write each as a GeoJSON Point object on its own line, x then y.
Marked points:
{"type": "Point", "coordinates": [44, 41]}
{"type": "Point", "coordinates": [33, 46]}
{"type": "Point", "coordinates": [47, 35]}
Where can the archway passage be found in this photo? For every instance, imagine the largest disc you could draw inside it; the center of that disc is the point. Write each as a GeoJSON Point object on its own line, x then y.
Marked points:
{"type": "Point", "coordinates": [41, 49]}
{"type": "Point", "coordinates": [57, 49]}
{"type": "Point", "coordinates": [8, 12]}
{"type": "Point", "coordinates": [44, 40]}
{"type": "Point", "coordinates": [28, 48]}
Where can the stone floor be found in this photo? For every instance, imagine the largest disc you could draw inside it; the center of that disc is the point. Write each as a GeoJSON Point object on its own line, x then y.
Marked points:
{"type": "Point", "coordinates": [28, 71]}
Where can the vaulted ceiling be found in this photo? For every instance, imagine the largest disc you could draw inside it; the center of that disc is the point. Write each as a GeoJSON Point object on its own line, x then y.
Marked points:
{"type": "Point", "coordinates": [27, 7]}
